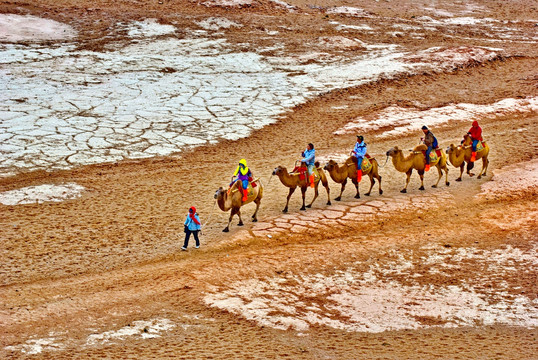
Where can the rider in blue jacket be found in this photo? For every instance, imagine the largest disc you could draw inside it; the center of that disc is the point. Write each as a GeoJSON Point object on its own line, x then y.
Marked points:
{"type": "Point", "coordinates": [359, 151]}
{"type": "Point", "coordinates": [309, 158]}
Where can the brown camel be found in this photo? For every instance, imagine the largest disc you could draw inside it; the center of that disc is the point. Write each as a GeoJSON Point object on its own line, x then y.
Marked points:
{"type": "Point", "coordinates": [294, 180]}
{"type": "Point", "coordinates": [416, 160]}
{"type": "Point", "coordinates": [232, 199]}
{"type": "Point", "coordinates": [459, 155]}
{"type": "Point", "coordinates": [340, 174]}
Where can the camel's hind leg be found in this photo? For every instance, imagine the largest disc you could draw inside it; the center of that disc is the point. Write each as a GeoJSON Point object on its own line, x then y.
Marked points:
{"type": "Point", "coordinates": [341, 190]}
{"type": "Point", "coordinates": [378, 177]}
{"type": "Point", "coordinates": [408, 173]}
{"type": "Point", "coordinates": [357, 191]}
{"type": "Point", "coordinates": [447, 183]}
{"type": "Point", "coordinates": [292, 190]}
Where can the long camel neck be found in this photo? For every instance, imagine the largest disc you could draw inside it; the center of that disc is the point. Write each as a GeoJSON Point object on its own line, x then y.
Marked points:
{"type": "Point", "coordinates": [224, 202]}
{"type": "Point", "coordinates": [286, 179]}
{"type": "Point", "coordinates": [401, 163]}
{"type": "Point", "coordinates": [339, 173]}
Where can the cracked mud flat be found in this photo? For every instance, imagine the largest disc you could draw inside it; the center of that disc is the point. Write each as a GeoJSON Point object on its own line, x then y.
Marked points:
{"type": "Point", "coordinates": [117, 117]}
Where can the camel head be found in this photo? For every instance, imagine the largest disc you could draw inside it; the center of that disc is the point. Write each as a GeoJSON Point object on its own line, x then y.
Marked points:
{"type": "Point", "coordinates": [279, 170]}
{"type": "Point", "coordinates": [330, 165]}
{"type": "Point", "coordinates": [392, 152]}
{"type": "Point", "coordinates": [450, 149]}
{"type": "Point", "coordinates": [219, 192]}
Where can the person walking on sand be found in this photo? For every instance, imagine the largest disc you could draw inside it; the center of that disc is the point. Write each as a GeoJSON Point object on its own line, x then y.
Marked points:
{"type": "Point", "coordinates": [431, 142]}
{"type": "Point", "coordinates": [192, 226]}
{"type": "Point", "coordinates": [359, 151]}
{"type": "Point", "coordinates": [309, 158]}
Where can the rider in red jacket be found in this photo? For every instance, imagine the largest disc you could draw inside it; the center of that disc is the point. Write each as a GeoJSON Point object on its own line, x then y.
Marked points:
{"type": "Point", "coordinates": [476, 135]}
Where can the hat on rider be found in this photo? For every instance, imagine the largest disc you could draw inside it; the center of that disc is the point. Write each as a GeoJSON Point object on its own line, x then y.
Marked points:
{"type": "Point", "coordinates": [424, 127]}
{"type": "Point", "coordinates": [360, 137]}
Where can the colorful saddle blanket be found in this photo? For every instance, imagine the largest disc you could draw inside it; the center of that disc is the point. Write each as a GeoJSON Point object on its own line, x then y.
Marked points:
{"type": "Point", "coordinates": [366, 164]}
{"type": "Point", "coordinates": [303, 171]}
{"type": "Point", "coordinates": [434, 155]}
{"type": "Point", "coordinates": [480, 146]}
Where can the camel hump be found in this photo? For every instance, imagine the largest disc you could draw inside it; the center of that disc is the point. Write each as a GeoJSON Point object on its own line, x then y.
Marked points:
{"type": "Point", "coordinates": [420, 147]}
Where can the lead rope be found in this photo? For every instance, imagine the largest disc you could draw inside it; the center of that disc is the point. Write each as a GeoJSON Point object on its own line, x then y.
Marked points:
{"type": "Point", "coordinates": [210, 214]}
{"type": "Point", "coordinates": [384, 163]}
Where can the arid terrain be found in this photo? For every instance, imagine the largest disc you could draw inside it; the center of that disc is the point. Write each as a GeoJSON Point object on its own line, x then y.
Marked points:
{"type": "Point", "coordinates": [445, 273]}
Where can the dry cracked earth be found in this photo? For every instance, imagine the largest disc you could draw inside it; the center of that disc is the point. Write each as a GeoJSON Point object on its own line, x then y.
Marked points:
{"type": "Point", "coordinates": [448, 272]}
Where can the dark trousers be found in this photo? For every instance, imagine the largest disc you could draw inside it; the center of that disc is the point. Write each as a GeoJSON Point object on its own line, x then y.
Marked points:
{"type": "Point", "coordinates": [428, 154]}
{"type": "Point", "coordinates": [188, 235]}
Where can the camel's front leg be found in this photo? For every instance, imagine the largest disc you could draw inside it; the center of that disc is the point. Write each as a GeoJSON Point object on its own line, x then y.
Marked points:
{"type": "Point", "coordinates": [462, 166]}
{"type": "Point", "coordinates": [232, 213]}
{"type": "Point", "coordinates": [408, 173]}
{"type": "Point", "coordinates": [303, 194]}
{"type": "Point", "coordinates": [292, 190]}
{"type": "Point", "coordinates": [372, 182]}
{"type": "Point", "coordinates": [257, 202]}
{"type": "Point", "coordinates": [239, 215]}
{"type": "Point", "coordinates": [421, 174]}
{"type": "Point", "coordinates": [341, 190]}
{"type": "Point", "coordinates": [357, 193]}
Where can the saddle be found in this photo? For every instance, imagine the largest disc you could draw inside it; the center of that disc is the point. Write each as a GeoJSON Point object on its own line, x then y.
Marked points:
{"type": "Point", "coordinates": [434, 155]}
{"type": "Point", "coordinates": [301, 170]}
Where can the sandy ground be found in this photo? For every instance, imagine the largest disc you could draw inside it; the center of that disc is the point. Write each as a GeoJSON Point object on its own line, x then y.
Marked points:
{"type": "Point", "coordinates": [449, 272]}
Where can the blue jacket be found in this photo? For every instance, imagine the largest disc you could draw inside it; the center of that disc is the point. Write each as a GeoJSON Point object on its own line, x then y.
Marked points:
{"type": "Point", "coordinates": [191, 225]}
{"type": "Point", "coordinates": [359, 150]}
{"type": "Point", "coordinates": [309, 156]}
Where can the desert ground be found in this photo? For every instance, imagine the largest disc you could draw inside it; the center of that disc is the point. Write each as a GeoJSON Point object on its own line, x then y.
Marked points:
{"type": "Point", "coordinates": [445, 273]}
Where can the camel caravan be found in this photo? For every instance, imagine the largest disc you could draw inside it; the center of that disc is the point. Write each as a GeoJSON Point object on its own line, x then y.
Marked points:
{"type": "Point", "coordinates": [308, 173]}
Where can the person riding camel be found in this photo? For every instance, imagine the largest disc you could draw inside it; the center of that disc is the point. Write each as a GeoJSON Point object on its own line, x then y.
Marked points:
{"type": "Point", "coordinates": [431, 142]}
{"type": "Point", "coordinates": [475, 132]}
{"type": "Point", "coordinates": [309, 158]}
{"type": "Point", "coordinates": [359, 151]}
{"type": "Point", "coordinates": [244, 175]}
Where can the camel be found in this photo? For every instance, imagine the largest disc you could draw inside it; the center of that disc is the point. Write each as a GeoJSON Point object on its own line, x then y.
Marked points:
{"type": "Point", "coordinates": [416, 160]}
{"type": "Point", "coordinates": [294, 180]}
{"type": "Point", "coordinates": [232, 199]}
{"type": "Point", "coordinates": [459, 155]}
{"type": "Point", "coordinates": [340, 174]}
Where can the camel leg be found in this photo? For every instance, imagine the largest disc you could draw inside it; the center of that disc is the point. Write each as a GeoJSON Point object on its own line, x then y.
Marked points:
{"type": "Point", "coordinates": [447, 183]}
{"type": "Point", "coordinates": [484, 167]}
{"type": "Point", "coordinates": [408, 173]}
{"type": "Point", "coordinates": [379, 181]}
{"type": "Point", "coordinates": [303, 193]}
{"type": "Point", "coordinates": [421, 174]}
{"type": "Point", "coordinates": [357, 191]}
{"type": "Point", "coordinates": [470, 166]}
{"type": "Point", "coordinates": [440, 175]}
{"type": "Point", "coordinates": [257, 202]}
{"type": "Point", "coordinates": [232, 213]}
{"type": "Point", "coordinates": [325, 183]}
{"type": "Point", "coordinates": [372, 182]}
{"type": "Point", "coordinates": [341, 190]}
{"type": "Point", "coordinates": [462, 166]}
{"type": "Point", "coordinates": [239, 215]}
{"type": "Point", "coordinates": [292, 190]}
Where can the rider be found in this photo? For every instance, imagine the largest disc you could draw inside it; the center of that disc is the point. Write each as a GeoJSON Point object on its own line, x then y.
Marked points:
{"type": "Point", "coordinates": [359, 151]}
{"type": "Point", "coordinates": [309, 158]}
{"type": "Point", "coordinates": [243, 174]}
{"type": "Point", "coordinates": [431, 142]}
{"type": "Point", "coordinates": [476, 135]}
